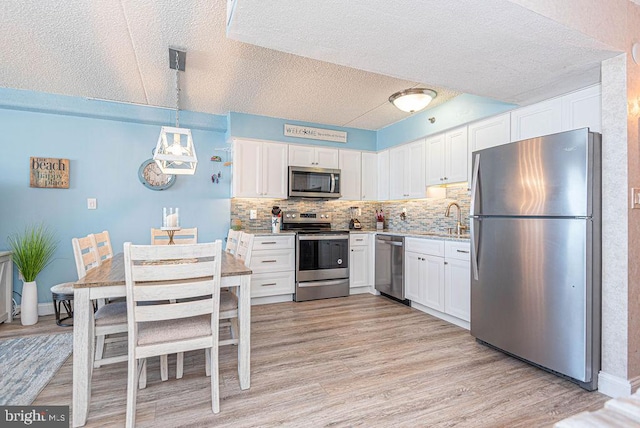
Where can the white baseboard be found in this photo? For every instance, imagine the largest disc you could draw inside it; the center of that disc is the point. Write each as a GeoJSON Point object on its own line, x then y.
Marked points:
{"type": "Point", "coordinates": [271, 299]}
{"type": "Point", "coordinates": [43, 309]}
{"type": "Point", "coordinates": [453, 320]}
{"type": "Point", "coordinates": [615, 386]}
{"type": "Point", "coordinates": [360, 290]}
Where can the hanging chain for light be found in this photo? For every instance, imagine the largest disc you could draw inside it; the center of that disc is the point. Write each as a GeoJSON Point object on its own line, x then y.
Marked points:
{"type": "Point", "coordinates": [177, 89]}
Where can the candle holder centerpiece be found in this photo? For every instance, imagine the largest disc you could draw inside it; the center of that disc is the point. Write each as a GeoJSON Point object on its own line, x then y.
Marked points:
{"type": "Point", "coordinates": [170, 222]}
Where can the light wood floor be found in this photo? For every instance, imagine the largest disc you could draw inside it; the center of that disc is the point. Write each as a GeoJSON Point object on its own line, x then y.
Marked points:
{"type": "Point", "coordinates": [357, 361]}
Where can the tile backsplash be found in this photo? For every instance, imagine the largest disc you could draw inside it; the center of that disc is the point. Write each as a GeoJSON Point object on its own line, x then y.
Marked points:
{"type": "Point", "coordinates": [422, 215]}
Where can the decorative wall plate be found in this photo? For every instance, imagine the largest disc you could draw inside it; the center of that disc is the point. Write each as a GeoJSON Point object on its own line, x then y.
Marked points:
{"type": "Point", "coordinates": [150, 175]}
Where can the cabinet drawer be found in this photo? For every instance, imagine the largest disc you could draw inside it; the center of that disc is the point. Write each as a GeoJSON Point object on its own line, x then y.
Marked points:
{"type": "Point", "coordinates": [272, 284]}
{"type": "Point", "coordinates": [358, 239]}
{"type": "Point", "coordinates": [457, 250]}
{"type": "Point", "coordinates": [274, 242]}
{"type": "Point", "coordinates": [431, 247]}
{"type": "Point", "coordinates": [272, 260]}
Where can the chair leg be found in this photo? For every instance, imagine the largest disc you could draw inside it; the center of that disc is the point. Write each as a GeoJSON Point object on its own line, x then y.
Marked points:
{"type": "Point", "coordinates": [164, 367]}
{"type": "Point", "coordinates": [132, 391]}
{"type": "Point", "coordinates": [99, 351]}
{"type": "Point", "coordinates": [142, 381]}
{"type": "Point", "coordinates": [207, 363]}
{"type": "Point", "coordinates": [215, 381]}
{"type": "Point", "coordinates": [179, 365]}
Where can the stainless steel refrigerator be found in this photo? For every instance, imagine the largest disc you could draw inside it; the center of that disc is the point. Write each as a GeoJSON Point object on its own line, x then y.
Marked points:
{"type": "Point", "coordinates": [535, 253]}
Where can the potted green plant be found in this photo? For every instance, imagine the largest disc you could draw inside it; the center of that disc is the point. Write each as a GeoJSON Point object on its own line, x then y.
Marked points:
{"type": "Point", "coordinates": [32, 250]}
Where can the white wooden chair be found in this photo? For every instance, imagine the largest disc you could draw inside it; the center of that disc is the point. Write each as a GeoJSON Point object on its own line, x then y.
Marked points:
{"type": "Point", "coordinates": [228, 304]}
{"type": "Point", "coordinates": [102, 243]}
{"type": "Point", "coordinates": [155, 273]}
{"type": "Point", "coordinates": [233, 236]}
{"type": "Point", "coordinates": [110, 318]}
{"type": "Point", "coordinates": [182, 236]}
{"type": "Point", "coordinates": [62, 294]}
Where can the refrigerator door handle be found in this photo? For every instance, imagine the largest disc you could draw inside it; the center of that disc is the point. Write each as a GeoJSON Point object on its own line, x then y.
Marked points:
{"type": "Point", "coordinates": [474, 247]}
{"type": "Point", "coordinates": [474, 183]}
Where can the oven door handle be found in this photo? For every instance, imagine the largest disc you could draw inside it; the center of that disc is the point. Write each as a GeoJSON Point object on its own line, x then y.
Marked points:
{"type": "Point", "coordinates": [322, 237]}
{"type": "Point", "coordinates": [322, 283]}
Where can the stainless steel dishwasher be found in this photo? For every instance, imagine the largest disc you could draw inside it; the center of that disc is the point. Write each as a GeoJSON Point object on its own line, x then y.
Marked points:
{"type": "Point", "coordinates": [389, 278]}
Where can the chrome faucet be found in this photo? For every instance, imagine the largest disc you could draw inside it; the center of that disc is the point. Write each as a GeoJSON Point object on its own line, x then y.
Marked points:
{"type": "Point", "coordinates": [459, 226]}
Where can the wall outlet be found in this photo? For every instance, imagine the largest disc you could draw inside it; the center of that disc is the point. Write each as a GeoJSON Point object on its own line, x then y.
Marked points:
{"type": "Point", "coordinates": [92, 203]}
{"type": "Point", "coordinates": [253, 214]}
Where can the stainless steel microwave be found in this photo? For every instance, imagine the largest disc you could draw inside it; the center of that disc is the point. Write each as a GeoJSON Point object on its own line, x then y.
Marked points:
{"type": "Point", "coordinates": [314, 182]}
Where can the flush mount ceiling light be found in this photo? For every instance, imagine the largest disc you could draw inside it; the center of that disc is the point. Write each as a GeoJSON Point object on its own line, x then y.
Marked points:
{"type": "Point", "coordinates": [412, 100]}
{"type": "Point", "coordinates": [175, 152]}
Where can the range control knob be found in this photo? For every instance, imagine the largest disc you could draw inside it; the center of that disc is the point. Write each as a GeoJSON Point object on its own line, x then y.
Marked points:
{"type": "Point", "coordinates": [288, 215]}
{"type": "Point", "coordinates": [293, 215]}
{"type": "Point", "coordinates": [321, 215]}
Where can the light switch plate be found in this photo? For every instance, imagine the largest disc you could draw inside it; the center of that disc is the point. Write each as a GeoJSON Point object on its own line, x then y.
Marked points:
{"type": "Point", "coordinates": [253, 214]}
{"type": "Point", "coordinates": [92, 203]}
{"type": "Point", "coordinates": [635, 198]}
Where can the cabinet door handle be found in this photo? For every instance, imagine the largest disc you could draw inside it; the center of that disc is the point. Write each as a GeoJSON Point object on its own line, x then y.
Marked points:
{"type": "Point", "coordinates": [462, 251]}
{"type": "Point", "coordinates": [446, 263]}
{"type": "Point", "coordinates": [268, 285]}
{"type": "Point", "coordinates": [269, 261]}
{"type": "Point", "coordinates": [267, 243]}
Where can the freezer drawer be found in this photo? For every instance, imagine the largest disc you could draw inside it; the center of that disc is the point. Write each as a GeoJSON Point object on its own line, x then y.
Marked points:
{"type": "Point", "coordinates": [534, 295]}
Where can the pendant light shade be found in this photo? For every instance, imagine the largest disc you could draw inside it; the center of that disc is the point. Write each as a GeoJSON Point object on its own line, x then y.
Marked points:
{"type": "Point", "coordinates": [412, 100]}
{"type": "Point", "coordinates": [175, 153]}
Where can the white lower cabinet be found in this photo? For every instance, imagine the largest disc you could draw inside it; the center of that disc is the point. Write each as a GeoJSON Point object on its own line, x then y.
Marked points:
{"type": "Point", "coordinates": [273, 267]}
{"type": "Point", "coordinates": [360, 263]}
{"type": "Point", "coordinates": [437, 278]}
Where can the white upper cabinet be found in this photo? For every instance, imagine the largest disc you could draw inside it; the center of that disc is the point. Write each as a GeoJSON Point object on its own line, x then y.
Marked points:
{"type": "Point", "coordinates": [490, 132]}
{"type": "Point", "coordinates": [575, 110]}
{"type": "Point", "coordinates": [320, 157]}
{"type": "Point", "coordinates": [582, 109]}
{"type": "Point", "coordinates": [406, 171]}
{"type": "Point", "coordinates": [259, 169]}
{"type": "Point", "coordinates": [350, 163]}
{"type": "Point", "coordinates": [447, 157]}
{"type": "Point", "coordinates": [369, 182]}
{"type": "Point", "coordinates": [435, 160]}
{"type": "Point", "coordinates": [536, 120]}
{"type": "Point", "coordinates": [383, 175]}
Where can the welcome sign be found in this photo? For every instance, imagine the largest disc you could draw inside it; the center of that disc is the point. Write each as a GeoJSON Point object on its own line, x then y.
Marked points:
{"type": "Point", "coordinates": [315, 133]}
{"type": "Point", "coordinates": [50, 173]}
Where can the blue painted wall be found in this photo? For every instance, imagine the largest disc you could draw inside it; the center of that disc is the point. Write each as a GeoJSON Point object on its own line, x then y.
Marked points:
{"type": "Point", "coordinates": [268, 128]}
{"type": "Point", "coordinates": [462, 109]}
{"type": "Point", "coordinates": [105, 143]}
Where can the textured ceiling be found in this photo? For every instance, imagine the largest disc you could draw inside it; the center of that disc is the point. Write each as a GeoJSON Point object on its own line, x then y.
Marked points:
{"type": "Point", "coordinates": [492, 48]}
{"type": "Point", "coordinates": [118, 50]}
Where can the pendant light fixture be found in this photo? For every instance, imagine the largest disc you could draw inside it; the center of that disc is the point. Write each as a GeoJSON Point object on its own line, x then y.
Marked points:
{"type": "Point", "coordinates": [175, 152]}
{"type": "Point", "coordinates": [413, 99]}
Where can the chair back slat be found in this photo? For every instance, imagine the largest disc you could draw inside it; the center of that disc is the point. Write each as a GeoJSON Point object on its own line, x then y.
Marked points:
{"type": "Point", "coordinates": [245, 247]}
{"type": "Point", "coordinates": [171, 290]}
{"type": "Point", "coordinates": [174, 269]}
{"type": "Point", "coordinates": [171, 311]}
{"type": "Point", "coordinates": [180, 237]}
{"type": "Point", "coordinates": [233, 236]}
{"type": "Point", "coordinates": [85, 255]}
{"type": "Point", "coordinates": [102, 242]}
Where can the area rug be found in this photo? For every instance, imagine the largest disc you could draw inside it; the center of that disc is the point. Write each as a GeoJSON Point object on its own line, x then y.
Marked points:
{"type": "Point", "coordinates": [27, 364]}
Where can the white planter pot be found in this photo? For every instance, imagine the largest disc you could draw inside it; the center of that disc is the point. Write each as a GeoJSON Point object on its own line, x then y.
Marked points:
{"type": "Point", "coordinates": [29, 303]}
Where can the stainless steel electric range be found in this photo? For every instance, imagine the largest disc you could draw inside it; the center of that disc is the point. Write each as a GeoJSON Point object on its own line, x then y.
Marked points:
{"type": "Point", "coordinates": [322, 256]}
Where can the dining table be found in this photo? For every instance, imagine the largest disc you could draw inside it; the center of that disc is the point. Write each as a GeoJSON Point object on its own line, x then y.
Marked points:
{"type": "Point", "coordinates": [107, 281]}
